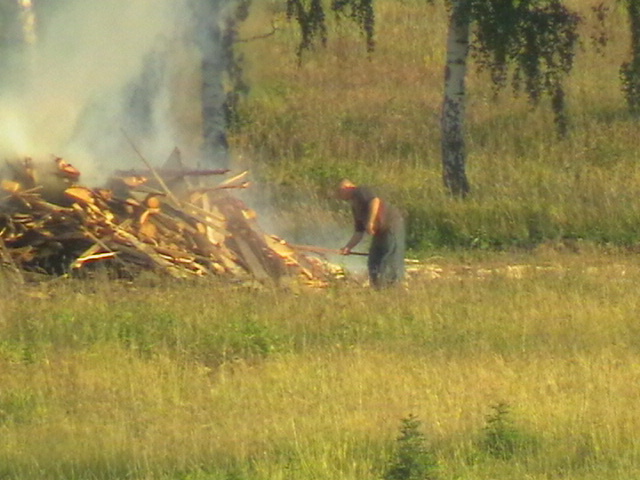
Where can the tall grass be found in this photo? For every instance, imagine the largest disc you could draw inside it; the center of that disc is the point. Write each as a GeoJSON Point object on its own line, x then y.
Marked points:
{"type": "Point", "coordinates": [204, 381]}
{"type": "Point", "coordinates": [341, 113]}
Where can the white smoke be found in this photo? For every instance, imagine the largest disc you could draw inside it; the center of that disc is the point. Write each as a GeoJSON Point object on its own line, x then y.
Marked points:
{"type": "Point", "coordinates": [97, 68]}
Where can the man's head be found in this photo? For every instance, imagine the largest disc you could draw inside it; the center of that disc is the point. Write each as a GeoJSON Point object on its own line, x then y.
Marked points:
{"type": "Point", "coordinates": [346, 189]}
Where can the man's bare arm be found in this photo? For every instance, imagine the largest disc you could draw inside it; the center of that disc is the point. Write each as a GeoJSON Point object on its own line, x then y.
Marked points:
{"type": "Point", "coordinates": [353, 241]}
{"type": "Point", "coordinates": [374, 210]}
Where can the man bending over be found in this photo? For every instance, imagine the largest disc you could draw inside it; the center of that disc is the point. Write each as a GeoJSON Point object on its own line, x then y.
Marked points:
{"type": "Point", "coordinates": [385, 224]}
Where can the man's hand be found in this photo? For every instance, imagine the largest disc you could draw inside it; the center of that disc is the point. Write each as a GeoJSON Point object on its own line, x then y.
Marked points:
{"type": "Point", "coordinates": [371, 228]}
{"type": "Point", "coordinates": [353, 241]}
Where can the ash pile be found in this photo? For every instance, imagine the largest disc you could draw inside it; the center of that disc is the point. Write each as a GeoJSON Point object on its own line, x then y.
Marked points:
{"type": "Point", "coordinates": [170, 220]}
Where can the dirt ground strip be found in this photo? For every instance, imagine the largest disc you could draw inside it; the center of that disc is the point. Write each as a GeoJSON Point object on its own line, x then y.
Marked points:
{"type": "Point", "coordinates": [504, 266]}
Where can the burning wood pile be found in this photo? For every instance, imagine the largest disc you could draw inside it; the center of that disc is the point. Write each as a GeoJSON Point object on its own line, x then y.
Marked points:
{"type": "Point", "coordinates": [162, 220]}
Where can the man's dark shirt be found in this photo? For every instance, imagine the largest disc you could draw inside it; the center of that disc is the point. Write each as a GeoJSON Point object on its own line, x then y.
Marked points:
{"type": "Point", "coordinates": [360, 203]}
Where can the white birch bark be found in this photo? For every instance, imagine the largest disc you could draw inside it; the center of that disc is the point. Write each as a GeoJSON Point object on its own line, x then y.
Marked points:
{"type": "Point", "coordinates": [453, 108]}
{"type": "Point", "coordinates": [27, 21]}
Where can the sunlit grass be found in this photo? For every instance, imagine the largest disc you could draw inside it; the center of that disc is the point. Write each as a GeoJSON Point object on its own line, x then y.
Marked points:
{"type": "Point", "coordinates": [172, 380]}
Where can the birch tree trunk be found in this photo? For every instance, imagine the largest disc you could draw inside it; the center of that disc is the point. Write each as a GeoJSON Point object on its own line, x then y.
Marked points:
{"type": "Point", "coordinates": [630, 71]}
{"type": "Point", "coordinates": [18, 37]}
{"type": "Point", "coordinates": [211, 20]}
{"type": "Point", "coordinates": [453, 108]}
{"type": "Point", "coordinates": [27, 21]}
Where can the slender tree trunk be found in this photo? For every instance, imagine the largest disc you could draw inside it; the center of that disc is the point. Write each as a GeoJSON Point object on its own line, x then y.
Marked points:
{"type": "Point", "coordinates": [18, 36]}
{"type": "Point", "coordinates": [453, 108]}
{"type": "Point", "coordinates": [630, 71]}
{"type": "Point", "coordinates": [634, 17]}
{"type": "Point", "coordinates": [211, 23]}
{"type": "Point", "coordinates": [27, 21]}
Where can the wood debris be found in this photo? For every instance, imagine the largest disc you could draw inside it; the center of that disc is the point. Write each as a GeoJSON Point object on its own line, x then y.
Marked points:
{"type": "Point", "coordinates": [139, 222]}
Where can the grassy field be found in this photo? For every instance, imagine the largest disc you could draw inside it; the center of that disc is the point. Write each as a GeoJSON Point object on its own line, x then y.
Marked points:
{"type": "Point", "coordinates": [516, 344]}
{"type": "Point", "coordinates": [203, 381]}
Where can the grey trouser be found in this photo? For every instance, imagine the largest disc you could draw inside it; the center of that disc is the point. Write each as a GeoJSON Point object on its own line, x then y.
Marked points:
{"type": "Point", "coordinates": [386, 255]}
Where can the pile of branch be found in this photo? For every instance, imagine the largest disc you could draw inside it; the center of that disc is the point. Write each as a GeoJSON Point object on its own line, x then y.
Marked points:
{"type": "Point", "coordinates": [143, 220]}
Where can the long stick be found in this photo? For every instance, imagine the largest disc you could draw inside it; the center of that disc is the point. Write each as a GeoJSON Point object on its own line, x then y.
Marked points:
{"type": "Point", "coordinates": [172, 173]}
{"type": "Point", "coordinates": [152, 170]}
{"type": "Point", "coordinates": [333, 251]}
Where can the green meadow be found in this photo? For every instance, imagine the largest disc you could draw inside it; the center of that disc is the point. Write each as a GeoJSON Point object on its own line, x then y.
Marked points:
{"type": "Point", "coordinates": [204, 381]}
{"type": "Point", "coordinates": [514, 348]}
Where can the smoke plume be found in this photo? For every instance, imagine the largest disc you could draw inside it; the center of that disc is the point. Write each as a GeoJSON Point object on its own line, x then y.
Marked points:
{"type": "Point", "coordinates": [92, 70]}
